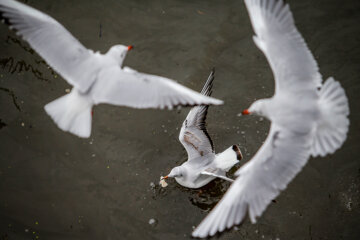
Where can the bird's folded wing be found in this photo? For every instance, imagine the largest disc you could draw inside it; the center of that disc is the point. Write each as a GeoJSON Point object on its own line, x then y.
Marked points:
{"type": "Point", "coordinates": [140, 90]}
{"type": "Point", "coordinates": [53, 42]}
{"type": "Point", "coordinates": [292, 63]}
{"type": "Point", "coordinates": [193, 134]}
{"type": "Point", "coordinates": [259, 181]}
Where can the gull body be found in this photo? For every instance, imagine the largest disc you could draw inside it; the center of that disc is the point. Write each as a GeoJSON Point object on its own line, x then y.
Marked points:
{"type": "Point", "coordinates": [308, 118]}
{"type": "Point", "coordinates": [203, 165]}
{"type": "Point", "coordinates": [96, 78]}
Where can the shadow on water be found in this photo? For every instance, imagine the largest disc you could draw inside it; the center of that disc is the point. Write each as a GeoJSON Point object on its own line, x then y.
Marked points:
{"type": "Point", "coordinates": [209, 195]}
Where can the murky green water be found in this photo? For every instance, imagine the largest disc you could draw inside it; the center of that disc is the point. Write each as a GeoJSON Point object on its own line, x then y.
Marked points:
{"type": "Point", "coordinates": [56, 186]}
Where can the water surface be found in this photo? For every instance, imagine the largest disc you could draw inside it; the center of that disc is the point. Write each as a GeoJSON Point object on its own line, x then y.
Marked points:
{"type": "Point", "coordinates": [54, 185]}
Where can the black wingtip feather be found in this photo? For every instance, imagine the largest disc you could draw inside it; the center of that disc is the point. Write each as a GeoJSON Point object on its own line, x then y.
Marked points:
{"type": "Point", "coordinates": [236, 149]}
{"type": "Point", "coordinates": [207, 89]}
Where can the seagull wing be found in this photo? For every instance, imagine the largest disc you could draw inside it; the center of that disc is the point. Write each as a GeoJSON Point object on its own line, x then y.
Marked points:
{"type": "Point", "coordinates": [193, 134]}
{"type": "Point", "coordinates": [210, 172]}
{"type": "Point", "coordinates": [139, 90]}
{"type": "Point", "coordinates": [291, 61]}
{"type": "Point", "coordinates": [259, 181]}
{"type": "Point", "coordinates": [53, 42]}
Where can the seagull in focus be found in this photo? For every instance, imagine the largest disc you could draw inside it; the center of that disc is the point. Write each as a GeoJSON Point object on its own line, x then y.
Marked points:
{"type": "Point", "coordinates": [96, 78]}
{"type": "Point", "coordinates": [308, 118]}
{"type": "Point", "coordinates": [203, 165]}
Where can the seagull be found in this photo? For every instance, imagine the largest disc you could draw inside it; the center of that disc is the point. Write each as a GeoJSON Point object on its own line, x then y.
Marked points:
{"type": "Point", "coordinates": [308, 118]}
{"type": "Point", "coordinates": [203, 165]}
{"type": "Point", "coordinates": [96, 78]}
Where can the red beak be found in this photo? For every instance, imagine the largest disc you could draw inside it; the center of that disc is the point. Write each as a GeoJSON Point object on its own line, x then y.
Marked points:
{"type": "Point", "coordinates": [166, 177]}
{"type": "Point", "coordinates": [130, 47]}
{"type": "Point", "coordinates": [245, 112]}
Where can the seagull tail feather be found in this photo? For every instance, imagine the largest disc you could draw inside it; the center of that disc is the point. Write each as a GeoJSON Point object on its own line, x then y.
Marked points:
{"type": "Point", "coordinates": [228, 158]}
{"type": "Point", "coordinates": [333, 124]}
{"type": "Point", "coordinates": [72, 113]}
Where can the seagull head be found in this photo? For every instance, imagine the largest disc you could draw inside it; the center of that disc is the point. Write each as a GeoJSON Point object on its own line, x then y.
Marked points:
{"type": "Point", "coordinates": [258, 107]}
{"type": "Point", "coordinates": [119, 52]}
{"type": "Point", "coordinates": [176, 172]}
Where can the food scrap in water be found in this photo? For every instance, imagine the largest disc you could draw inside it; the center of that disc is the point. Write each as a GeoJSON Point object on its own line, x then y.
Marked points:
{"type": "Point", "coordinates": [162, 182]}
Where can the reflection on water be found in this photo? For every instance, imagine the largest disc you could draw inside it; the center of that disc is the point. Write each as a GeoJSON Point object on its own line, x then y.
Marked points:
{"type": "Point", "coordinates": [208, 196]}
{"type": "Point", "coordinates": [204, 198]}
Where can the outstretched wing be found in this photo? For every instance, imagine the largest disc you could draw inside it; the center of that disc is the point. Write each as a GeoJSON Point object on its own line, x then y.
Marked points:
{"type": "Point", "coordinates": [193, 134]}
{"type": "Point", "coordinates": [53, 42]}
{"type": "Point", "coordinates": [139, 90]}
{"type": "Point", "coordinates": [259, 181]}
{"type": "Point", "coordinates": [291, 61]}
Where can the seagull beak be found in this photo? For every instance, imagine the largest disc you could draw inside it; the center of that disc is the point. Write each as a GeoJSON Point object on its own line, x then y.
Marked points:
{"type": "Point", "coordinates": [245, 112]}
{"type": "Point", "coordinates": [166, 177]}
{"type": "Point", "coordinates": [130, 47]}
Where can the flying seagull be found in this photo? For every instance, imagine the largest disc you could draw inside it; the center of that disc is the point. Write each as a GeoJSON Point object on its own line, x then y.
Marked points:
{"type": "Point", "coordinates": [203, 165]}
{"type": "Point", "coordinates": [308, 118]}
{"type": "Point", "coordinates": [96, 78]}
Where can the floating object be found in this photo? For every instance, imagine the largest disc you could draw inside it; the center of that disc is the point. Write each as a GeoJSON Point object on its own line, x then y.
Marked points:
{"type": "Point", "coordinates": [162, 182]}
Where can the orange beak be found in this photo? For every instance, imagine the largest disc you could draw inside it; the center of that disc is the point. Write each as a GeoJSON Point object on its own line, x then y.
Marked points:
{"type": "Point", "coordinates": [166, 177]}
{"type": "Point", "coordinates": [130, 47]}
{"type": "Point", "coordinates": [245, 112]}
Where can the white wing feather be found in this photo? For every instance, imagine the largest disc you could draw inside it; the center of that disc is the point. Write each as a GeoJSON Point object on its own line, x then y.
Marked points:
{"type": "Point", "coordinates": [140, 90]}
{"type": "Point", "coordinates": [259, 181]}
{"type": "Point", "coordinates": [217, 175]}
{"type": "Point", "coordinates": [193, 134]}
{"type": "Point", "coordinates": [291, 61]}
{"type": "Point", "coordinates": [53, 42]}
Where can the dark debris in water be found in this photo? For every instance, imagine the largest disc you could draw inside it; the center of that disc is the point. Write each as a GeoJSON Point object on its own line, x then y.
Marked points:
{"type": "Point", "coordinates": [2, 124]}
{"type": "Point", "coordinates": [14, 98]}
{"type": "Point", "coordinates": [14, 66]}
{"type": "Point", "coordinates": [10, 39]}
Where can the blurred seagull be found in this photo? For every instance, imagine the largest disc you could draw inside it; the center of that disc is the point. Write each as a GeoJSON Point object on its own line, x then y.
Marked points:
{"type": "Point", "coordinates": [97, 78]}
{"type": "Point", "coordinates": [306, 121]}
{"type": "Point", "coordinates": [203, 164]}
